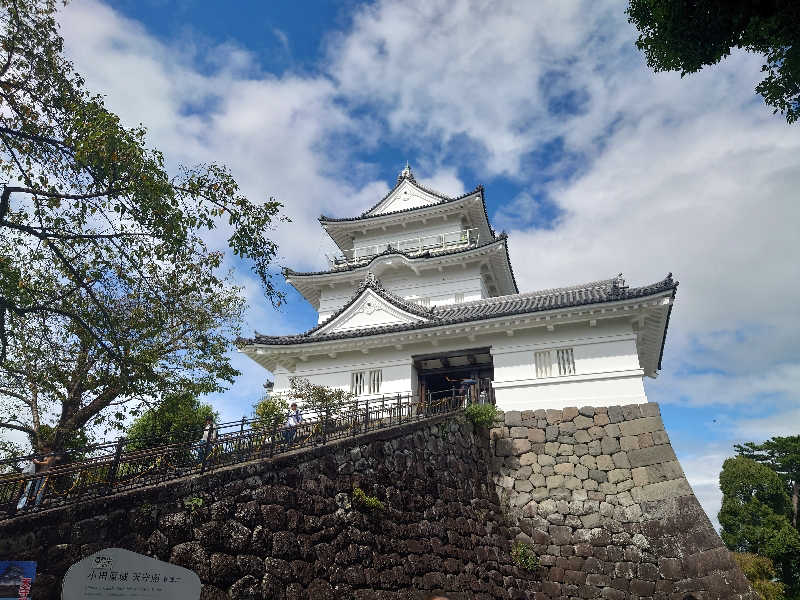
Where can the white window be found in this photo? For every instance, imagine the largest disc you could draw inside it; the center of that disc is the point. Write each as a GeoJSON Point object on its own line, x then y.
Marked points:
{"type": "Point", "coordinates": [426, 301]}
{"type": "Point", "coordinates": [566, 361]}
{"type": "Point", "coordinates": [544, 363]}
{"type": "Point", "coordinates": [459, 297]}
{"type": "Point", "coordinates": [366, 382]}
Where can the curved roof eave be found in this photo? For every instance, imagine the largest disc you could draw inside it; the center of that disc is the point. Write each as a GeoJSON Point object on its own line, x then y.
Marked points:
{"type": "Point", "coordinates": [602, 292]}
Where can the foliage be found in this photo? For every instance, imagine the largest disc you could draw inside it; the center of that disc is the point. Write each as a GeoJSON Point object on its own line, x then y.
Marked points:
{"type": "Point", "coordinates": [687, 36]}
{"type": "Point", "coordinates": [319, 398]}
{"type": "Point", "coordinates": [369, 502]}
{"type": "Point", "coordinates": [110, 299]}
{"type": "Point", "coordinates": [524, 557]}
{"type": "Point", "coordinates": [782, 455]}
{"type": "Point", "coordinates": [760, 571]}
{"type": "Point", "coordinates": [754, 516]}
{"type": "Point", "coordinates": [481, 415]}
{"type": "Point", "coordinates": [270, 412]}
{"type": "Point", "coordinates": [193, 503]}
{"type": "Point", "coordinates": [178, 418]}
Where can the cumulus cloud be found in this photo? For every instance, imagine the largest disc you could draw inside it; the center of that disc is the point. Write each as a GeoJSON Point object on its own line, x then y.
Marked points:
{"type": "Point", "coordinates": [648, 173]}
{"type": "Point", "coordinates": [641, 173]}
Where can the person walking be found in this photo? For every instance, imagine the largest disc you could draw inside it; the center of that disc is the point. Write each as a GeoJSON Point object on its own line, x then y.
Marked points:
{"type": "Point", "coordinates": [293, 419]}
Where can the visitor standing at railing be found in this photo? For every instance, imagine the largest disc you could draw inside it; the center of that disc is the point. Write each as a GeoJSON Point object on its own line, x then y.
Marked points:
{"type": "Point", "coordinates": [209, 437]}
{"type": "Point", "coordinates": [293, 419]}
{"type": "Point", "coordinates": [36, 487]}
{"type": "Point", "coordinates": [29, 469]}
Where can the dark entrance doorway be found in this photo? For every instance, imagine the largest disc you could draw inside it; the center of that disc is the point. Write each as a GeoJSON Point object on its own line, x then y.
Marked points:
{"type": "Point", "coordinates": [455, 374]}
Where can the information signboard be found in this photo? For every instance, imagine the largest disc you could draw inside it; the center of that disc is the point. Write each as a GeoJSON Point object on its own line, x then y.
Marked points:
{"type": "Point", "coordinates": [118, 574]}
{"type": "Point", "coordinates": [16, 577]}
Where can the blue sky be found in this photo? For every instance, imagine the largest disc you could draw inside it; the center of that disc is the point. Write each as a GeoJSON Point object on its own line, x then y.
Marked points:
{"type": "Point", "coordinates": [592, 163]}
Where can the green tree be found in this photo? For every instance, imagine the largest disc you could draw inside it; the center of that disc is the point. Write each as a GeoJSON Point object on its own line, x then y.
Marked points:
{"type": "Point", "coordinates": [760, 572]}
{"type": "Point", "coordinates": [177, 334]}
{"type": "Point", "coordinates": [782, 455]}
{"type": "Point", "coordinates": [271, 412]}
{"type": "Point", "coordinates": [178, 418]}
{"type": "Point", "coordinates": [687, 35]}
{"type": "Point", "coordinates": [323, 400]}
{"type": "Point", "coordinates": [109, 296]}
{"type": "Point", "coordinates": [754, 516]}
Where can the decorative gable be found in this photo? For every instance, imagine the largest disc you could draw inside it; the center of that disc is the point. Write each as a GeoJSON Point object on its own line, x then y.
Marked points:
{"type": "Point", "coordinates": [369, 310]}
{"type": "Point", "coordinates": [406, 195]}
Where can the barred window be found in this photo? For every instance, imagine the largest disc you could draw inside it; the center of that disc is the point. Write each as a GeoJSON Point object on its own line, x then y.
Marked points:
{"type": "Point", "coordinates": [544, 363]}
{"type": "Point", "coordinates": [566, 361]}
{"type": "Point", "coordinates": [357, 382]}
{"type": "Point", "coordinates": [459, 297]}
{"type": "Point", "coordinates": [375, 378]}
{"type": "Point", "coordinates": [366, 382]}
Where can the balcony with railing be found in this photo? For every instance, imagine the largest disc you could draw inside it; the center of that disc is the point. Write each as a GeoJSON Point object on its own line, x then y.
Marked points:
{"type": "Point", "coordinates": [434, 243]}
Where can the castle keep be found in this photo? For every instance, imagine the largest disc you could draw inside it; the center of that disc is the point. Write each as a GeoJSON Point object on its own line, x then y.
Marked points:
{"type": "Point", "coordinates": [422, 293]}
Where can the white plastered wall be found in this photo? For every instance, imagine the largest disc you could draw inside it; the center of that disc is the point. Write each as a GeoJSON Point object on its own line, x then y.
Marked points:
{"type": "Point", "coordinates": [607, 368]}
{"type": "Point", "coordinates": [397, 233]}
{"type": "Point", "coordinates": [440, 286]}
{"type": "Point", "coordinates": [396, 367]}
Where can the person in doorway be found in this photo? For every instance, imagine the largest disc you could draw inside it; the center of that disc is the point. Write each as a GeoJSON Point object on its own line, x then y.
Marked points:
{"type": "Point", "coordinates": [293, 419]}
{"type": "Point", "coordinates": [464, 386]}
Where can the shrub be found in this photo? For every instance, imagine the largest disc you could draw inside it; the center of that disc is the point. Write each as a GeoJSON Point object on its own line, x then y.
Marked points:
{"type": "Point", "coordinates": [481, 415]}
{"type": "Point", "coordinates": [364, 501]}
{"type": "Point", "coordinates": [523, 556]}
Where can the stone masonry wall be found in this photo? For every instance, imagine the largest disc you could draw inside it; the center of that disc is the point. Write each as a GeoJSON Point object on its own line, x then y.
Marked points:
{"type": "Point", "coordinates": [597, 493]}
{"type": "Point", "coordinates": [602, 498]}
{"type": "Point", "coordinates": [286, 528]}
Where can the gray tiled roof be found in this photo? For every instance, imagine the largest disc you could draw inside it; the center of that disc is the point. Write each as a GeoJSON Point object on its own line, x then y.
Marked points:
{"type": "Point", "coordinates": [287, 272]}
{"type": "Point", "coordinates": [598, 292]}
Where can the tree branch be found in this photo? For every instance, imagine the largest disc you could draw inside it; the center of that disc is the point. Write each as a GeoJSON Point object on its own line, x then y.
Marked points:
{"type": "Point", "coordinates": [21, 428]}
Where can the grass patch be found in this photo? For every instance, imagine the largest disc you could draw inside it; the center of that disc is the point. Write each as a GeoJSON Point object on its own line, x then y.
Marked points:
{"type": "Point", "coordinates": [524, 557]}
{"type": "Point", "coordinates": [362, 500]}
{"type": "Point", "coordinates": [193, 503]}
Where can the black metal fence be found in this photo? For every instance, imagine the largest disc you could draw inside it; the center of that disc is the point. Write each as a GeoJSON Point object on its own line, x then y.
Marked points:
{"type": "Point", "coordinates": [125, 464]}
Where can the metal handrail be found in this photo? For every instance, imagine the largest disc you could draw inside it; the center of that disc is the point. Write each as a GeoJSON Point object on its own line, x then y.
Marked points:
{"type": "Point", "coordinates": [120, 466]}
{"type": "Point", "coordinates": [413, 245]}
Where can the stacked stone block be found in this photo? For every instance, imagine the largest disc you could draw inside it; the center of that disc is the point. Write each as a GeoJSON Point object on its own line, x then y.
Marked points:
{"type": "Point", "coordinates": [597, 493]}
{"type": "Point", "coordinates": [287, 528]}
{"type": "Point", "coordinates": [601, 497]}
